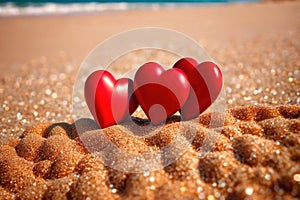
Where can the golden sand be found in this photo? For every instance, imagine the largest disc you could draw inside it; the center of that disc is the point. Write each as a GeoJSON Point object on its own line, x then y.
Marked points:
{"type": "Point", "coordinates": [256, 156]}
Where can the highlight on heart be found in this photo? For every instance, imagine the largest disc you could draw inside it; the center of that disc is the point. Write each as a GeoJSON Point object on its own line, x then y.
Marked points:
{"type": "Point", "coordinates": [188, 87]}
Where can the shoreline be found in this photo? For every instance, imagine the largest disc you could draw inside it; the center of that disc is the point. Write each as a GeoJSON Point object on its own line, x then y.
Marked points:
{"type": "Point", "coordinates": [28, 38]}
{"type": "Point", "coordinates": [71, 9]}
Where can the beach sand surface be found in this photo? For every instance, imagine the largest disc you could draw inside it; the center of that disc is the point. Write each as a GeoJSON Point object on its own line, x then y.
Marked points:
{"type": "Point", "coordinates": [26, 38]}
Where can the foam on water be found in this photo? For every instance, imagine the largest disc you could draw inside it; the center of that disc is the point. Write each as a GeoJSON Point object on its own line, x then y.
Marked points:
{"type": "Point", "coordinates": [52, 8]}
{"type": "Point", "coordinates": [13, 9]}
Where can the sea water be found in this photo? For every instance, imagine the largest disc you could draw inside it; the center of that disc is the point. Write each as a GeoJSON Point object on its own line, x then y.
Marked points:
{"type": "Point", "coordinates": [43, 7]}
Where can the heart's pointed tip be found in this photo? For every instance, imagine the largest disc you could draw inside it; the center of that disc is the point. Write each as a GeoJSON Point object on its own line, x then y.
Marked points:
{"type": "Point", "coordinates": [156, 123]}
{"type": "Point", "coordinates": [157, 114]}
{"type": "Point", "coordinates": [155, 120]}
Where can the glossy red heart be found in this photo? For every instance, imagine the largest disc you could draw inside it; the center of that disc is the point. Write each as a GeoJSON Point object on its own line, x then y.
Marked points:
{"type": "Point", "coordinates": [206, 82]}
{"type": "Point", "coordinates": [109, 100]}
{"type": "Point", "coordinates": [161, 93]}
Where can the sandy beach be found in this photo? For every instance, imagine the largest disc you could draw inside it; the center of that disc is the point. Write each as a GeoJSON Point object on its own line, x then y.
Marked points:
{"type": "Point", "coordinates": [27, 38]}
{"type": "Point", "coordinates": [256, 155]}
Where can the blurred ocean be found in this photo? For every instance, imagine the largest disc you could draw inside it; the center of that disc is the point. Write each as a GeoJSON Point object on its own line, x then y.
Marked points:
{"type": "Point", "coordinates": [43, 7]}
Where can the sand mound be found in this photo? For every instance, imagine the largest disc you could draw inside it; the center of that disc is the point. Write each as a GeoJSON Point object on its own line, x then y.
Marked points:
{"type": "Point", "coordinates": [257, 156]}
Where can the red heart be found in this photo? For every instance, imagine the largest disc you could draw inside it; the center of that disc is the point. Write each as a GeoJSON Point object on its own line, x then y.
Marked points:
{"type": "Point", "coordinates": [206, 82]}
{"type": "Point", "coordinates": [160, 93]}
{"type": "Point", "coordinates": [109, 100]}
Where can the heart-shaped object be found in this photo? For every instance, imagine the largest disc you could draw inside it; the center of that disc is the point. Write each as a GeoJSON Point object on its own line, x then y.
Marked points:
{"type": "Point", "coordinates": [109, 100]}
{"type": "Point", "coordinates": [206, 82]}
{"type": "Point", "coordinates": [161, 93]}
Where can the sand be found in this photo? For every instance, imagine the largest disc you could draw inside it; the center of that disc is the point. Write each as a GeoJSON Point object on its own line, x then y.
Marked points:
{"type": "Point", "coordinates": [256, 155]}
{"type": "Point", "coordinates": [76, 36]}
